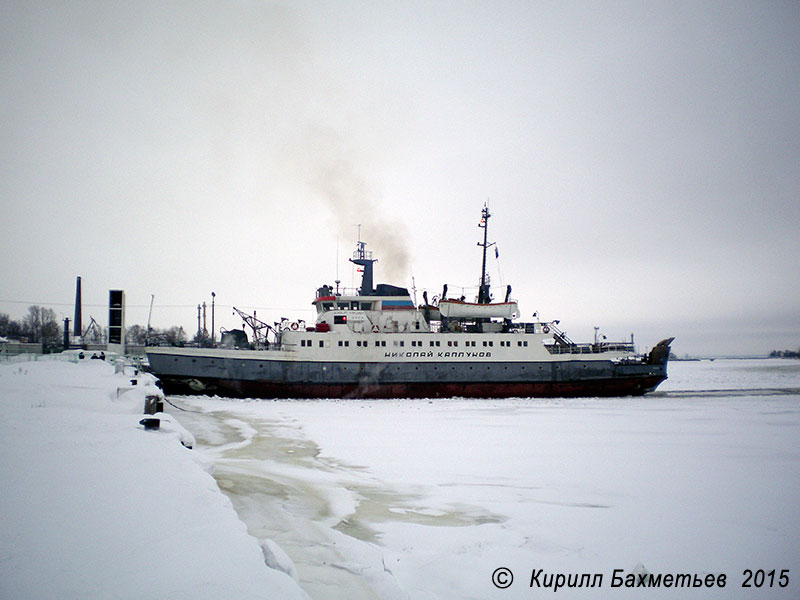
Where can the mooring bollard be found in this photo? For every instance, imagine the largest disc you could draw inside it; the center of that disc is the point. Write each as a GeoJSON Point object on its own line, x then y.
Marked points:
{"type": "Point", "coordinates": [153, 404]}
{"type": "Point", "coordinates": [150, 423]}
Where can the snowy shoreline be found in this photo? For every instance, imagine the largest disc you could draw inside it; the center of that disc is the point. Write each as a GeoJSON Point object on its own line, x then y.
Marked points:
{"type": "Point", "coordinates": [94, 506]}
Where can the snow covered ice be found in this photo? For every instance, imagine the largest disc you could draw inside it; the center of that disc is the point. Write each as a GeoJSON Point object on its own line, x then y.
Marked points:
{"type": "Point", "coordinates": [419, 499]}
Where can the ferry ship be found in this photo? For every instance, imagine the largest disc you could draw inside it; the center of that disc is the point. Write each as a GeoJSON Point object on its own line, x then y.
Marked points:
{"type": "Point", "coordinates": [376, 343]}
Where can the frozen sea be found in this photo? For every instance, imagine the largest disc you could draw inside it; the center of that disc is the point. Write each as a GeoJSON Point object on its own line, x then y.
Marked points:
{"type": "Point", "coordinates": [427, 499]}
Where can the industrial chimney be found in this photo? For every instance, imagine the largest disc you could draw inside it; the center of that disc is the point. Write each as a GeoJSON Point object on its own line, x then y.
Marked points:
{"type": "Point", "coordinates": [77, 331]}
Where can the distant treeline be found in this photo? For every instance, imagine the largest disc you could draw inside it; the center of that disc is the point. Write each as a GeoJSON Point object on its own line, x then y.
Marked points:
{"type": "Point", "coordinates": [40, 325]}
{"type": "Point", "coordinates": [785, 353]}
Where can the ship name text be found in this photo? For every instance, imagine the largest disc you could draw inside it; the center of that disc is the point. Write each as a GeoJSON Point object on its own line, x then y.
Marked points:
{"type": "Point", "coordinates": [440, 354]}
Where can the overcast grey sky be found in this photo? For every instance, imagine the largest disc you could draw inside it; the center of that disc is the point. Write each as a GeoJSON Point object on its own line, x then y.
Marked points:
{"type": "Point", "coordinates": [640, 159]}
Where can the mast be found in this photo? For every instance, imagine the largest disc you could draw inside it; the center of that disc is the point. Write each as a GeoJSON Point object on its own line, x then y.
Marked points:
{"type": "Point", "coordinates": [363, 258]}
{"type": "Point", "coordinates": [483, 291]}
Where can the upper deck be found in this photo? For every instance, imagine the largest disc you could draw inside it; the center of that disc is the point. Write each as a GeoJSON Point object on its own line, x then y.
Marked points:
{"type": "Point", "coordinates": [392, 321]}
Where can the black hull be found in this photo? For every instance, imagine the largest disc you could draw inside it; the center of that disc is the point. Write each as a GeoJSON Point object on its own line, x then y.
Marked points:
{"type": "Point", "coordinates": [618, 386]}
{"type": "Point", "coordinates": [262, 375]}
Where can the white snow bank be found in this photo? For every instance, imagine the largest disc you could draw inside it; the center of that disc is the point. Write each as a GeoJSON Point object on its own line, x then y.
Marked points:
{"type": "Point", "coordinates": [276, 558]}
{"type": "Point", "coordinates": [94, 506]}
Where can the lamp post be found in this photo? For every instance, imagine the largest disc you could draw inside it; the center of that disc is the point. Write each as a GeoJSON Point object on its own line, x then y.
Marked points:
{"type": "Point", "coordinates": [213, 329]}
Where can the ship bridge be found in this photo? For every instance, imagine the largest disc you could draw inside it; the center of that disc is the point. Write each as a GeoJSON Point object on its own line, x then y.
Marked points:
{"type": "Point", "coordinates": [377, 302]}
{"type": "Point", "coordinates": [377, 313]}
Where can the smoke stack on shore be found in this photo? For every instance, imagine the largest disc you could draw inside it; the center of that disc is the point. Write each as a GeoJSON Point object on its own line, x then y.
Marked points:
{"type": "Point", "coordinates": [77, 331]}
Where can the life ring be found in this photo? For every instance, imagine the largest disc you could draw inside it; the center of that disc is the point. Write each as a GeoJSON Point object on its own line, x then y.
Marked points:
{"type": "Point", "coordinates": [375, 329]}
{"type": "Point", "coordinates": [546, 329]}
{"type": "Point", "coordinates": [295, 326]}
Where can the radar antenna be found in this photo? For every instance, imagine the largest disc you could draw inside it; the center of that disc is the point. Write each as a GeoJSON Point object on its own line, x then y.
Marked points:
{"type": "Point", "coordinates": [363, 258]}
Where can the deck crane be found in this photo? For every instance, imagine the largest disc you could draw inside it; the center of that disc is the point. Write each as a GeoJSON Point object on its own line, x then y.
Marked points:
{"type": "Point", "coordinates": [259, 327]}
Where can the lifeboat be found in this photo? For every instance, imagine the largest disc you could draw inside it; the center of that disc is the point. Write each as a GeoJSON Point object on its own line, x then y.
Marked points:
{"type": "Point", "coordinates": [458, 309]}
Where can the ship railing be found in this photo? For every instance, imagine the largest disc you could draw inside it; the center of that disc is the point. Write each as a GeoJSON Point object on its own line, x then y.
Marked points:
{"type": "Point", "coordinates": [339, 291]}
{"type": "Point", "coordinates": [535, 327]}
{"type": "Point", "coordinates": [545, 327]}
{"type": "Point", "coordinates": [590, 348]}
